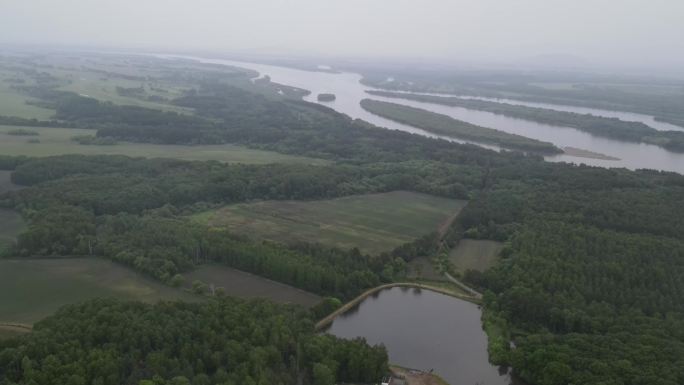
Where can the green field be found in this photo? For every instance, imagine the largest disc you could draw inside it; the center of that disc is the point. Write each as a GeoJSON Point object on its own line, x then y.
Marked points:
{"type": "Point", "coordinates": [57, 141]}
{"type": "Point", "coordinates": [374, 223]}
{"type": "Point", "coordinates": [244, 285]}
{"type": "Point", "coordinates": [33, 289]}
{"type": "Point", "coordinates": [10, 332]}
{"type": "Point", "coordinates": [13, 103]}
{"type": "Point", "coordinates": [471, 254]}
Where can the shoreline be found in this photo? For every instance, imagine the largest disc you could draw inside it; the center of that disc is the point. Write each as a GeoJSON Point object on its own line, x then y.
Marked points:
{"type": "Point", "coordinates": [327, 320]}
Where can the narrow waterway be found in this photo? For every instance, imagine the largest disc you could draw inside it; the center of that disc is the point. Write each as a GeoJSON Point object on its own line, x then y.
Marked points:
{"type": "Point", "coordinates": [349, 92]}
{"type": "Point", "coordinates": [622, 115]}
{"type": "Point", "coordinates": [425, 330]}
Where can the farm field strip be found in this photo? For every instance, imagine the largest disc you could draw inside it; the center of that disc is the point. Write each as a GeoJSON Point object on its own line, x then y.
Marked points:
{"type": "Point", "coordinates": [32, 289]}
{"type": "Point", "coordinates": [57, 141]}
{"type": "Point", "coordinates": [373, 222]}
{"type": "Point", "coordinates": [237, 283]}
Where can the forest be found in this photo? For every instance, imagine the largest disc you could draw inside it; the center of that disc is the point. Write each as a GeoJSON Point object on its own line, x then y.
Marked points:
{"type": "Point", "coordinates": [223, 341]}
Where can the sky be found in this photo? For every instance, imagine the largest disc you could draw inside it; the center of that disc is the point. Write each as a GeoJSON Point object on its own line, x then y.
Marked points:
{"type": "Point", "coordinates": [619, 33]}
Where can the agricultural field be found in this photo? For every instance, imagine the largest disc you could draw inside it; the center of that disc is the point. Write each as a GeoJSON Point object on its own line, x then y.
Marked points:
{"type": "Point", "coordinates": [57, 141]}
{"type": "Point", "coordinates": [373, 222]}
{"type": "Point", "coordinates": [472, 254]}
{"type": "Point", "coordinates": [244, 285]}
{"type": "Point", "coordinates": [10, 332]}
{"type": "Point", "coordinates": [35, 288]}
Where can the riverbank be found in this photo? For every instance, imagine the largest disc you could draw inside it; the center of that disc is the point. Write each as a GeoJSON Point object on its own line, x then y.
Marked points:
{"type": "Point", "coordinates": [417, 285]}
{"type": "Point", "coordinates": [445, 125]}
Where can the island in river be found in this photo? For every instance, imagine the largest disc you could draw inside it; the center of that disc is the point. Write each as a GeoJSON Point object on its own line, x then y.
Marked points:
{"type": "Point", "coordinates": [326, 97]}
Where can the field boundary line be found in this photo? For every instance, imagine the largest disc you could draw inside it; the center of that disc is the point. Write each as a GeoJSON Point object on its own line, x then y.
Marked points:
{"type": "Point", "coordinates": [15, 325]}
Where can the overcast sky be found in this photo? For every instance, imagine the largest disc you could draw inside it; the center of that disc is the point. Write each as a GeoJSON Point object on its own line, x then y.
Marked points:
{"type": "Point", "coordinates": [634, 33]}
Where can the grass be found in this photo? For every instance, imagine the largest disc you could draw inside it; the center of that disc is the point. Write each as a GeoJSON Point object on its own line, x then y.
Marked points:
{"type": "Point", "coordinates": [10, 332]}
{"type": "Point", "coordinates": [13, 103]}
{"type": "Point", "coordinates": [104, 88]}
{"type": "Point", "coordinates": [57, 141]}
{"type": "Point", "coordinates": [33, 289]}
{"type": "Point", "coordinates": [471, 254]}
{"type": "Point", "coordinates": [374, 222]}
{"type": "Point", "coordinates": [244, 285]}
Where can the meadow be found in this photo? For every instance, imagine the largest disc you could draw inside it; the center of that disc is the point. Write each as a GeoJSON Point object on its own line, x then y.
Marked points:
{"type": "Point", "coordinates": [13, 103]}
{"type": "Point", "coordinates": [236, 283]}
{"type": "Point", "coordinates": [373, 222]}
{"type": "Point", "coordinates": [58, 141]}
{"type": "Point", "coordinates": [32, 289]}
{"type": "Point", "coordinates": [473, 254]}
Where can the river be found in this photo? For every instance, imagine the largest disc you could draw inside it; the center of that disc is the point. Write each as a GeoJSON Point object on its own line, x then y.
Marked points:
{"type": "Point", "coordinates": [425, 330]}
{"type": "Point", "coordinates": [349, 92]}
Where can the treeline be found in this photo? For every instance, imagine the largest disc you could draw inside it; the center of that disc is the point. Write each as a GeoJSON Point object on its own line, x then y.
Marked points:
{"type": "Point", "coordinates": [445, 125]}
{"type": "Point", "coordinates": [226, 341]}
{"type": "Point", "coordinates": [597, 125]}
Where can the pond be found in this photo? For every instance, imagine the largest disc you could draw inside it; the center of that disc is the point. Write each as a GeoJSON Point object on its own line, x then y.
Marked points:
{"type": "Point", "coordinates": [425, 330]}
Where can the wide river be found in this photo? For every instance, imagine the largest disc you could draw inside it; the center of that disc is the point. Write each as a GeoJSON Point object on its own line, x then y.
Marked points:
{"type": "Point", "coordinates": [349, 92]}
{"type": "Point", "coordinates": [425, 330]}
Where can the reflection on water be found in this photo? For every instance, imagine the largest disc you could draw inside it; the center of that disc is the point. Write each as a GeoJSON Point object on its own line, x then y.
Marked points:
{"type": "Point", "coordinates": [349, 92]}
{"type": "Point", "coordinates": [425, 330]}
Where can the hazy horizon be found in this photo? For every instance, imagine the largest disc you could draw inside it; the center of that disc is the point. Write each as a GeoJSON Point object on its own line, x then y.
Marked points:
{"type": "Point", "coordinates": [598, 34]}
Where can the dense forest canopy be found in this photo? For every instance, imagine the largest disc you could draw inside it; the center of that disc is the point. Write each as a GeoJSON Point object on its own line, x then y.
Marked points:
{"type": "Point", "coordinates": [225, 341]}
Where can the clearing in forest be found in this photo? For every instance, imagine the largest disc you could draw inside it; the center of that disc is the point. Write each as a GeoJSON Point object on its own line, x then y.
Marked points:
{"type": "Point", "coordinates": [372, 222]}
{"type": "Point", "coordinates": [237, 283]}
{"type": "Point", "coordinates": [473, 254]}
{"type": "Point", "coordinates": [58, 141]}
{"type": "Point", "coordinates": [32, 289]}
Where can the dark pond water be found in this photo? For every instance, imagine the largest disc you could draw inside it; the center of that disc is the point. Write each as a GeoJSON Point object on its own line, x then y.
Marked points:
{"type": "Point", "coordinates": [425, 330]}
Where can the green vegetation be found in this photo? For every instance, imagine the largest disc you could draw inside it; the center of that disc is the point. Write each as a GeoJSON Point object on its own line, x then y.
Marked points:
{"type": "Point", "coordinates": [58, 141]}
{"type": "Point", "coordinates": [21, 132]}
{"type": "Point", "coordinates": [93, 140]}
{"type": "Point", "coordinates": [14, 103]}
{"type": "Point", "coordinates": [446, 125]}
{"type": "Point", "coordinates": [593, 263]}
{"type": "Point", "coordinates": [235, 283]}
{"type": "Point", "coordinates": [372, 223]}
{"type": "Point", "coordinates": [607, 127]}
{"type": "Point", "coordinates": [32, 289]}
{"type": "Point", "coordinates": [226, 341]}
{"type": "Point", "coordinates": [326, 97]}
{"type": "Point", "coordinates": [472, 254]}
